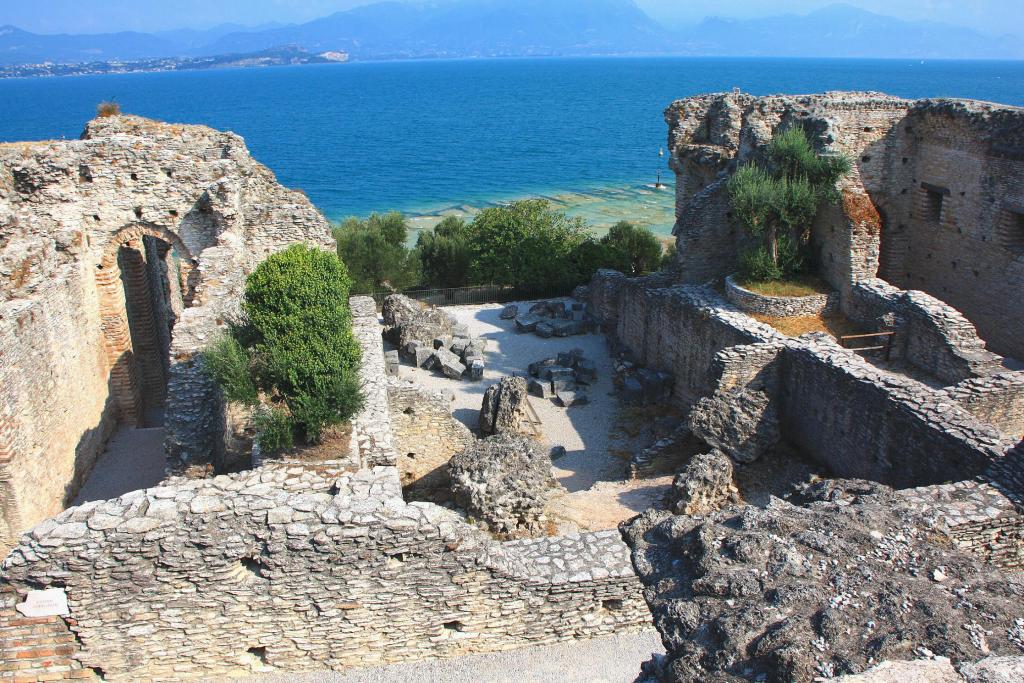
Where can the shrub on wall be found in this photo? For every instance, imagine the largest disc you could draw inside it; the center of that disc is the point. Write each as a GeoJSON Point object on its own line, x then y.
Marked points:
{"type": "Point", "coordinates": [777, 198]}
{"type": "Point", "coordinates": [295, 344]}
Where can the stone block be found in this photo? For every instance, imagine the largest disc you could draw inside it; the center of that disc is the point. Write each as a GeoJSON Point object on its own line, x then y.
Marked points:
{"type": "Point", "coordinates": [409, 350]}
{"type": "Point", "coordinates": [509, 312]}
{"type": "Point", "coordinates": [632, 391]}
{"type": "Point", "coordinates": [537, 369]}
{"type": "Point", "coordinates": [476, 370]}
{"type": "Point", "coordinates": [391, 363]}
{"type": "Point", "coordinates": [544, 330]}
{"type": "Point", "coordinates": [540, 388]}
{"type": "Point", "coordinates": [563, 384]}
{"type": "Point", "coordinates": [527, 323]}
{"type": "Point", "coordinates": [449, 364]}
{"type": "Point", "coordinates": [424, 358]}
{"type": "Point", "coordinates": [566, 359]}
{"type": "Point", "coordinates": [586, 371]}
{"type": "Point", "coordinates": [567, 399]}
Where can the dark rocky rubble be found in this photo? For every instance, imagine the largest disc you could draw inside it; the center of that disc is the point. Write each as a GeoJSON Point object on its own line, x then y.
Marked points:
{"type": "Point", "coordinates": [790, 593]}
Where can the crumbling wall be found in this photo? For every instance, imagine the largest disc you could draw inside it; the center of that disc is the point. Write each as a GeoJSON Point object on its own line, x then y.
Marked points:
{"type": "Point", "coordinates": [996, 399]}
{"type": "Point", "coordinates": [954, 209]}
{"type": "Point", "coordinates": [711, 135]}
{"type": "Point", "coordinates": [934, 201]}
{"type": "Point", "coordinates": [308, 568]}
{"type": "Point", "coordinates": [197, 213]}
{"type": "Point", "coordinates": [677, 330]}
{"type": "Point", "coordinates": [865, 423]}
{"type": "Point", "coordinates": [929, 334]}
{"type": "Point", "coordinates": [426, 436]}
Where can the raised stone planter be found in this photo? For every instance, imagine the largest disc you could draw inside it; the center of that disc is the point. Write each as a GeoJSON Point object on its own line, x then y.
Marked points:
{"type": "Point", "coordinates": [777, 306]}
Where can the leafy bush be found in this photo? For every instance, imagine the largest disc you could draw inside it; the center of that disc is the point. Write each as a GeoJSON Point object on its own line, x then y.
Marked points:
{"type": "Point", "coordinates": [525, 244]}
{"type": "Point", "coordinates": [445, 253]}
{"type": "Point", "coordinates": [297, 338]}
{"type": "Point", "coordinates": [631, 250]}
{"type": "Point", "coordinates": [778, 199]}
{"type": "Point", "coordinates": [275, 428]}
{"type": "Point", "coordinates": [376, 254]}
{"type": "Point", "coordinates": [230, 365]}
{"type": "Point", "coordinates": [105, 109]}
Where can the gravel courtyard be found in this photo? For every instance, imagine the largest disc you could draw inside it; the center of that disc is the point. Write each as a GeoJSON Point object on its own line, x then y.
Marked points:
{"type": "Point", "coordinates": [592, 471]}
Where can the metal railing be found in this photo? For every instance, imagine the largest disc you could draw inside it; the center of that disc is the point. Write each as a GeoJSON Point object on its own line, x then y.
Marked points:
{"type": "Point", "coordinates": [885, 345]}
{"type": "Point", "coordinates": [481, 294]}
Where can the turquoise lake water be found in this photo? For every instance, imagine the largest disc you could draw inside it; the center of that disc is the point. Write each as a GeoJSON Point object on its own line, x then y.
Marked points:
{"type": "Point", "coordinates": [435, 137]}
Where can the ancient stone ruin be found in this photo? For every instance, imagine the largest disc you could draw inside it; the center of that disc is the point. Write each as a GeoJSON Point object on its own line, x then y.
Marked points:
{"type": "Point", "coordinates": [122, 255]}
{"type": "Point", "coordinates": [832, 514]}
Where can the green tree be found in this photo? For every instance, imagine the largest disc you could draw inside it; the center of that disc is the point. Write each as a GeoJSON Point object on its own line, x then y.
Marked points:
{"type": "Point", "coordinates": [526, 244]}
{"type": "Point", "coordinates": [778, 198]}
{"type": "Point", "coordinates": [296, 342]}
{"type": "Point", "coordinates": [375, 252]}
{"type": "Point", "coordinates": [445, 253]}
{"type": "Point", "coordinates": [632, 250]}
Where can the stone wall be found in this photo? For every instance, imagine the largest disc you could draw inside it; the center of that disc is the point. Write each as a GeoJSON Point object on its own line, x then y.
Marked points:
{"type": "Point", "coordinates": [934, 201]}
{"type": "Point", "coordinates": [372, 436]}
{"type": "Point", "coordinates": [677, 330]}
{"type": "Point", "coordinates": [310, 567]}
{"type": "Point", "coordinates": [857, 420]}
{"type": "Point", "coordinates": [426, 436]}
{"type": "Point", "coordinates": [177, 214]}
{"type": "Point", "coordinates": [291, 569]}
{"type": "Point", "coordinates": [954, 212]}
{"type": "Point", "coordinates": [864, 423]}
{"type": "Point", "coordinates": [777, 306]}
{"type": "Point", "coordinates": [995, 399]}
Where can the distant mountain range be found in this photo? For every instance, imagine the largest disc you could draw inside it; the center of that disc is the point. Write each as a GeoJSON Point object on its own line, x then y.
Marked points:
{"type": "Point", "coordinates": [497, 28]}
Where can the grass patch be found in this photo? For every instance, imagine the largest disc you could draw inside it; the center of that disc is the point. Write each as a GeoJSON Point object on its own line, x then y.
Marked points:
{"type": "Point", "coordinates": [794, 326]}
{"type": "Point", "coordinates": [792, 285]}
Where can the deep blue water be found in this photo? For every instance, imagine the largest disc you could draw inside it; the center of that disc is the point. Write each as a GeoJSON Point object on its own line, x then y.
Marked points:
{"type": "Point", "coordinates": [419, 135]}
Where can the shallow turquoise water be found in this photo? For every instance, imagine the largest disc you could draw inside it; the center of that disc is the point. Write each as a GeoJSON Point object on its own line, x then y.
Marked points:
{"type": "Point", "coordinates": [433, 136]}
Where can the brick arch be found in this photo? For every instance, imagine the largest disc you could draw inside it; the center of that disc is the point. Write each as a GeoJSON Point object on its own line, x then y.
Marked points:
{"type": "Point", "coordinates": [127, 248]}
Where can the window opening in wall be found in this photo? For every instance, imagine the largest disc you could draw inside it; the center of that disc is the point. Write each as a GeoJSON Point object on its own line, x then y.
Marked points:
{"type": "Point", "coordinates": [1011, 230]}
{"type": "Point", "coordinates": [454, 626]}
{"type": "Point", "coordinates": [933, 196]}
{"type": "Point", "coordinates": [612, 605]}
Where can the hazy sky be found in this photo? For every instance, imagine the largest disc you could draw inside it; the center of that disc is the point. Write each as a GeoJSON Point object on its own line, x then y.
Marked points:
{"type": "Point", "coordinates": [78, 16]}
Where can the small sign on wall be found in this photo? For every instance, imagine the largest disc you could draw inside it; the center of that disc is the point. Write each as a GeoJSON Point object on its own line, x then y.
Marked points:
{"type": "Point", "coordinates": [50, 602]}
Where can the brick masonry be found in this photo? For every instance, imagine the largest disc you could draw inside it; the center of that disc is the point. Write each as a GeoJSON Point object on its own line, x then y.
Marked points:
{"type": "Point", "coordinates": [174, 215]}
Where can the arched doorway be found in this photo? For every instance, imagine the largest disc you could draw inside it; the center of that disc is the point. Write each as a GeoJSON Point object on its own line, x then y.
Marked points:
{"type": "Point", "coordinates": [145, 281]}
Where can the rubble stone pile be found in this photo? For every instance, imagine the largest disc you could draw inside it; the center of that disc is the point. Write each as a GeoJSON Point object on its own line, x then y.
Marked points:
{"type": "Point", "coordinates": [790, 593]}
{"type": "Point", "coordinates": [429, 338]}
{"type": "Point", "coordinates": [504, 482]}
{"type": "Point", "coordinates": [564, 377]}
{"type": "Point", "coordinates": [555, 318]}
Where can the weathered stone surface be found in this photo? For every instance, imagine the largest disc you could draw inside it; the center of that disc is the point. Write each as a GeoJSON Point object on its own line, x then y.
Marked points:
{"type": "Point", "coordinates": [504, 481]}
{"type": "Point", "coordinates": [743, 423]}
{"type": "Point", "coordinates": [407, 320]}
{"type": "Point", "coordinates": [704, 485]}
{"type": "Point", "coordinates": [504, 409]}
{"type": "Point", "coordinates": [186, 207]}
{"type": "Point", "coordinates": [476, 370]}
{"type": "Point", "coordinates": [569, 398]}
{"type": "Point", "coordinates": [540, 388]}
{"type": "Point", "coordinates": [509, 312]}
{"type": "Point", "coordinates": [794, 593]}
{"type": "Point", "coordinates": [424, 357]}
{"type": "Point", "coordinates": [449, 364]}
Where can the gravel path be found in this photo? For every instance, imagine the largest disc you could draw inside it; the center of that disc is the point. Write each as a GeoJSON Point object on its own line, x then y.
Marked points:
{"type": "Point", "coordinates": [596, 497]}
{"type": "Point", "coordinates": [134, 459]}
{"type": "Point", "coordinates": [610, 659]}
